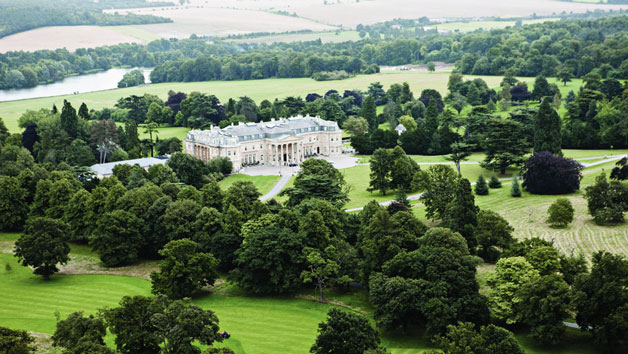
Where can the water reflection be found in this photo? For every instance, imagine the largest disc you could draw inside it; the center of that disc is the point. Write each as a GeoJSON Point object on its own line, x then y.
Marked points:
{"type": "Point", "coordinates": [104, 80]}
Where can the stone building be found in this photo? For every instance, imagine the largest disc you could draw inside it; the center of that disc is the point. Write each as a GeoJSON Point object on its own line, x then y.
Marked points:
{"type": "Point", "coordinates": [279, 142]}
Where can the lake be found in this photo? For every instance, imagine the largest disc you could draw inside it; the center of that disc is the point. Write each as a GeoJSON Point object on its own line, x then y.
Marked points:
{"type": "Point", "coordinates": [104, 80]}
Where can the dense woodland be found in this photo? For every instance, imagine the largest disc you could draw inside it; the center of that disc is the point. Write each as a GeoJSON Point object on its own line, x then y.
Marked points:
{"type": "Point", "coordinates": [570, 47]}
{"type": "Point", "coordinates": [23, 15]}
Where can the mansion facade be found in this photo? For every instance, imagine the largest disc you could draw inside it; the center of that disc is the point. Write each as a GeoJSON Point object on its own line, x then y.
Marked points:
{"type": "Point", "coordinates": [279, 142]}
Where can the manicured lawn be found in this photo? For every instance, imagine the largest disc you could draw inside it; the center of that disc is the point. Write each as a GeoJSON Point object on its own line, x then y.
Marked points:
{"type": "Point", "coordinates": [30, 303]}
{"type": "Point", "coordinates": [263, 183]}
{"type": "Point", "coordinates": [165, 133]}
{"type": "Point", "coordinates": [257, 324]}
{"type": "Point", "coordinates": [527, 216]}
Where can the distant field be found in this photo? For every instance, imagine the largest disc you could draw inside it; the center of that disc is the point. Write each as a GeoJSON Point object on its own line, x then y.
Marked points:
{"type": "Point", "coordinates": [71, 38]}
{"type": "Point", "coordinates": [352, 13]}
{"type": "Point", "coordinates": [485, 25]}
{"type": "Point", "coordinates": [217, 20]}
{"type": "Point", "coordinates": [325, 37]}
{"type": "Point", "coordinates": [256, 89]}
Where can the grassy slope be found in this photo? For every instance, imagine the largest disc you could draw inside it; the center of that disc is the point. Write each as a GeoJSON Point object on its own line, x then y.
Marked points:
{"type": "Point", "coordinates": [263, 183]}
{"type": "Point", "coordinates": [527, 215]}
{"type": "Point", "coordinates": [256, 89]}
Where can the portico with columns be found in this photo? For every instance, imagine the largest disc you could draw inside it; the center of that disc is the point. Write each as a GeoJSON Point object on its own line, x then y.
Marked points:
{"type": "Point", "coordinates": [277, 143]}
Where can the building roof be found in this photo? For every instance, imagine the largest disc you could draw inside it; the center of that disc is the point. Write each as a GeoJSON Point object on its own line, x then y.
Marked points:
{"type": "Point", "coordinates": [107, 168]}
{"type": "Point", "coordinates": [275, 129]}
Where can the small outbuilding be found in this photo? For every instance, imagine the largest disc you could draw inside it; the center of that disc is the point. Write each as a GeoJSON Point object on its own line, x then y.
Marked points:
{"type": "Point", "coordinates": [103, 170]}
{"type": "Point", "coordinates": [400, 129]}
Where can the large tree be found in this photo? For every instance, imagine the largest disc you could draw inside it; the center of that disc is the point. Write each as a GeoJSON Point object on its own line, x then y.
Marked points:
{"type": "Point", "coordinates": [440, 185]}
{"type": "Point", "coordinates": [461, 213]}
{"type": "Point", "coordinates": [318, 179]}
{"type": "Point", "coordinates": [511, 275]}
{"type": "Point", "coordinates": [344, 333]}
{"type": "Point", "coordinates": [505, 144]}
{"type": "Point", "coordinates": [13, 207]}
{"type": "Point", "coordinates": [369, 112]}
{"type": "Point", "coordinates": [547, 136]}
{"type": "Point", "coordinates": [270, 261]}
{"type": "Point", "coordinates": [380, 164]}
{"type": "Point", "coordinates": [78, 332]}
{"type": "Point", "coordinates": [601, 301]}
{"type": "Point", "coordinates": [42, 246]}
{"type": "Point", "coordinates": [117, 238]}
{"type": "Point", "coordinates": [544, 305]}
{"type": "Point", "coordinates": [545, 173]}
{"type": "Point", "coordinates": [184, 270]}
{"type": "Point", "coordinates": [463, 338]}
{"type": "Point", "coordinates": [433, 286]}
{"type": "Point", "coordinates": [69, 119]}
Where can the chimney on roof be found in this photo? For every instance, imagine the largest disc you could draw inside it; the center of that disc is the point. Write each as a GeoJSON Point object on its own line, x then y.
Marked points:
{"type": "Point", "coordinates": [240, 123]}
{"type": "Point", "coordinates": [272, 119]}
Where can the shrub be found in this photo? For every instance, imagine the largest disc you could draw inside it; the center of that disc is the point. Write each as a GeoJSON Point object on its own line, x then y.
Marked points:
{"type": "Point", "coordinates": [515, 190]}
{"type": "Point", "coordinates": [560, 214]}
{"type": "Point", "coordinates": [481, 188]}
{"type": "Point", "coordinates": [494, 182]}
{"type": "Point", "coordinates": [331, 75]}
{"type": "Point", "coordinates": [545, 173]}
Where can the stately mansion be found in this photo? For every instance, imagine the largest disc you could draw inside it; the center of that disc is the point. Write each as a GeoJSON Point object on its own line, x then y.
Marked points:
{"type": "Point", "coordinates": [279, 142]}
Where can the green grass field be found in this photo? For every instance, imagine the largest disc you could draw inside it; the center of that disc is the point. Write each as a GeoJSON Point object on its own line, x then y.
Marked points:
{"type": "Point", "coordinates": [257, 324]}
{"type": "Point", "coordinates": [256, 89]}
{"type": "Point", "coordinates": [469, 26]}
{"type": "Point", "coordinates": [263, 183]}
{"type": "Point", "coordinates": [527, 215]}
{"type": "Point", "coordinates": [325, 37]}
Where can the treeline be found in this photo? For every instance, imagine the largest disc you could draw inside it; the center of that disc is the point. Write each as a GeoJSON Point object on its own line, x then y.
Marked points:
{"type": "Point", "coordinates": [541, 49]}
{"type": "Point", "coordinates": [28, 69]}
{"type": "Point", "coordinates": [19, 16]}
{"type": "Point", "coordinates": [577, 47]}
{"type": "Point", "coordinates": [595, 119]}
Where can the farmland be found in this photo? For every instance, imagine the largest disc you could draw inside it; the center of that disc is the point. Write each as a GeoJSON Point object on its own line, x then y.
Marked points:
{"type": "Point", "coordinates": [188, 20]}
{"type": "Point", "coordinates": [351, 13]}
{"type": "Point", "coordinates": [81, 37]}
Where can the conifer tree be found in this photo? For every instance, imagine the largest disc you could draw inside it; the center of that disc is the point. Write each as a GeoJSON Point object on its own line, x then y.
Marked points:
{"type": "Point", "coordinates": [515, 190]}
{"type": "Point", "coordinates": [369, 112]}
{"type": "Point", "coordinates": [473, 95]}
{"type": "Point", "coordinates": [494, 182]}
{"type": "Point", "coordinates": [481, 188]}
{"type": "Point", "coordinates": [547, 129]}
{"type": "Point", "coordinates": [461, 214]}
{"type": "Point", "coordinates": [69, 119]}
{"type": "Point", "coordinates": [83, 111]}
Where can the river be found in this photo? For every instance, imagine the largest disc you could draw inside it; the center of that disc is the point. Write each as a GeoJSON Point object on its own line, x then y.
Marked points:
{"type": "Point", "coordinates": [99, 81]}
